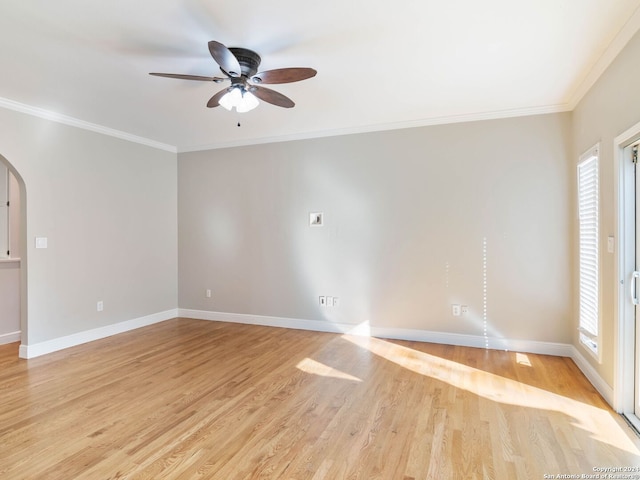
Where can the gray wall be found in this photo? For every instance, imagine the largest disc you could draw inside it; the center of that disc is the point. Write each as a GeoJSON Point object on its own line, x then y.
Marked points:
{"type": "Point", "coordinates": [610, 107]}
{"type": "Point", "coordinates": [108, 208]}
{"type": "Point", "coordinates": [415, 219]}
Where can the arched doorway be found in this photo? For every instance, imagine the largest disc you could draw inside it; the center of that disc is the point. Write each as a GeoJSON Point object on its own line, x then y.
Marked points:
{"type": "Point", "coordinates": [13, 261]}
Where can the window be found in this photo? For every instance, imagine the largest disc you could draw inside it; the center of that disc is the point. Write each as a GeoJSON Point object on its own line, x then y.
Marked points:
{"type": "Point", "coordinates": [588, 221]}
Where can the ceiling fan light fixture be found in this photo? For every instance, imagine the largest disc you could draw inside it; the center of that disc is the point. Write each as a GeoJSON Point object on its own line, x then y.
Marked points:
{"type": "Point", "coordinates": [231, 98]}
{"type": "Point", "coordinates": [240, 99]}
{"type": "Point", "coordinates": [248, 102]}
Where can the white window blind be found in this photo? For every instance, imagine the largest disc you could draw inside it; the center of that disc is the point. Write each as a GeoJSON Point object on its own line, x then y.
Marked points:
{"type": "Point", "coordinates": [588, 220]}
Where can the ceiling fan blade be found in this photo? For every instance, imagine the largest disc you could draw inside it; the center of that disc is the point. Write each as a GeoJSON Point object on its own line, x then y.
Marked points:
{"type": "Point", "coordinates": [271, 96]}
{"type": "Point", "coordinates": [214, 101]}
{"type": "Point", "coordinates": [188, 77]}
{"type": "Point", "coordinates": [284, 75]}
{"type": "Point", "coordinates": [227, 61]}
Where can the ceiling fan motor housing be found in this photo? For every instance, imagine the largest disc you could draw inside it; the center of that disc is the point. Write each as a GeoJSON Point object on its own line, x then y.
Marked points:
{"type": "Point", "coordinates": [248, 59]}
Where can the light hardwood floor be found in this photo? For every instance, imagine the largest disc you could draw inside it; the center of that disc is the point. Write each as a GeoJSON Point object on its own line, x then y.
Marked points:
{"type": "Point", "coordinates": [194, 399]}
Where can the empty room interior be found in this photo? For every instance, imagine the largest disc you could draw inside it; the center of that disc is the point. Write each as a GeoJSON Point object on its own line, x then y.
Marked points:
{"type": "Point", "coordinates": [319, 241]}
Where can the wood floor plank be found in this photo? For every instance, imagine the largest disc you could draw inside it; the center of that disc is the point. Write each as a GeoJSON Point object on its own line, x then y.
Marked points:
{"type": "Point", "coordinates": [189, 399]}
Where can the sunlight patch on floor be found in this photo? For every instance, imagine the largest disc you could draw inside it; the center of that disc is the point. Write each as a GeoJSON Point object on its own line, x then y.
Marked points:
{"type": "Point", "coordinates": [523, 359]}
{"type": "Point", "coordinates": [309, 365]}
{"type": "Point", "coordinates": [598, 422]}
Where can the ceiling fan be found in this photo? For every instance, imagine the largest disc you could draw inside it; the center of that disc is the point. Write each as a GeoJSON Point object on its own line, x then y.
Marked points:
{"type": "Point", "coordinates": [240, 67]}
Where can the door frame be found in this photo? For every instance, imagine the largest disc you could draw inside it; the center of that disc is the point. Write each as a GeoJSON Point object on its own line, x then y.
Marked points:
{"type": "Point", "coordinates": [624, 310]}
{"type": "Point", "coordinates": [24, 316]}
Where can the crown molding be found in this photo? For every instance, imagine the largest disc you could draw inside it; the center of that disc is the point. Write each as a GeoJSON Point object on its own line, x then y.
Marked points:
{"type": "Point", "coordinates": [74, 122]}
{"type": "Point", "coordinates": [628, 30]}
{"type": "Point", "coordinates": [425, 122]}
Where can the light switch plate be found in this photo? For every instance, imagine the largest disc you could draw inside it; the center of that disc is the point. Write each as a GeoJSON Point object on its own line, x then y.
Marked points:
{"type": "Point", "coordinates": [41, 242]}
{"type": "Point", "coordinates": [610, 243]}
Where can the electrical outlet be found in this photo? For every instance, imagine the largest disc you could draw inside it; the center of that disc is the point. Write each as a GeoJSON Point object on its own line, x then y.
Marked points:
{"type": "Point", "coordinates": [328, 301]}
{"type": "Point", "coordinates": [100, 306]}
{"type": "Point", "coordinates": [208, 293]}
{"type": "Point", "coordinates": [456, 310]}
{"type": "Point", "coordinates": [464, 309]}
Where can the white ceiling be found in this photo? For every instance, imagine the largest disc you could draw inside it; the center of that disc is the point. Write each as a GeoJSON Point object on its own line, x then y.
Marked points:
{"type": "Point", "coordinates": [380, 64]}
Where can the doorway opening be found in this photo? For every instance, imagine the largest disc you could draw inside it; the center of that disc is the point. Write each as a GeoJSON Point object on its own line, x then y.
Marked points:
{"type": "Point", "coordinates": [626, 386]}
{"type": "Point", "coordinates": [13, 258]}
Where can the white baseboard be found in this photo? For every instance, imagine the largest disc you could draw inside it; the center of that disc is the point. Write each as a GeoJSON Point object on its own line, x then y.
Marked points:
{"type": "Point", "coordinates": [10, 337]}
{"type": "Point", "coordinates": [592, 375]}
{"type": "Point", "coordinates": [49, 346]}
{"type": "Point", "coordinates": [525, 346]}
{"type": "Point", "coordinates": [528, 346]}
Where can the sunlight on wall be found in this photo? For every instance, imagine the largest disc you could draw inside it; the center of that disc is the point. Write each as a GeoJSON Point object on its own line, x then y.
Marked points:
{"type": "Point", "coordinates": [492, 338]}
{"type": "Point", "coordinates": [446, 275]}
{"type": "Point", "coordinates": [484, 293]}
{"type": "Point", "coordinates": [598, 422]}
{"type": "Point", "coordinates": [478, 317]}
{"type": "Point", "coordinates": [363, 329]}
